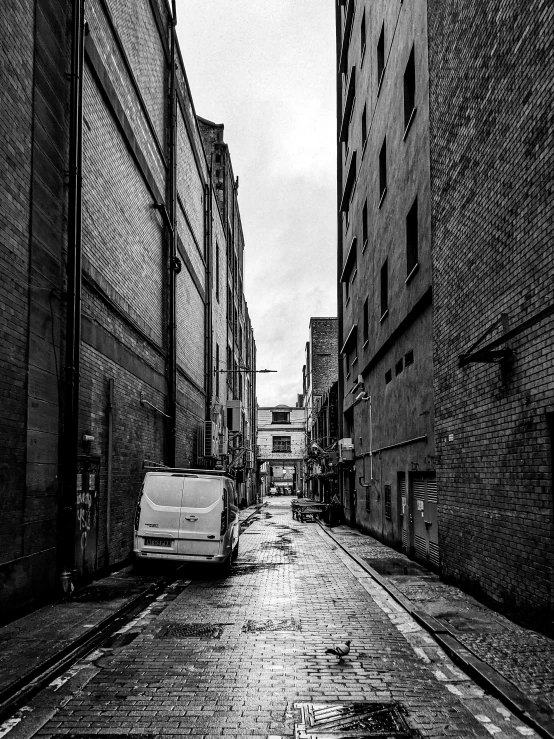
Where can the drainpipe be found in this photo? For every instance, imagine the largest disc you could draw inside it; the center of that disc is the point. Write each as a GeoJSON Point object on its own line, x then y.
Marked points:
{"type": "Point", "coordinates": [110, 470]}
{"type": "Point", "coordinates": [73, 305]}
{"type": "Point", "coordinates": [208, 343]}
{"type": "Point", "coordinates": [174, 263]}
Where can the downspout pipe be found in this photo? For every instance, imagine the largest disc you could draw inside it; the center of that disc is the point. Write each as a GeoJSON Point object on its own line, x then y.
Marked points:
{"type": "Point", "coordinates": [73, 304]}
{"type": "Point", "coordinates": [174, 264]}
{"type": "Point", "coordinates": [208, 240]}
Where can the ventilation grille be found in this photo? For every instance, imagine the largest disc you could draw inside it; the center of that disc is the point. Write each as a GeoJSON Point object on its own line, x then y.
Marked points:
{"type": "Point", "coordinates": [432, 495]}
{"type": "Point", "coordinates": [434, 553]}
{"type": "Point", "coordinates": [404, 540]}
{"type": "Point", "coordinates": [421, 546]}
{"type": "Point", "coordinates": [419, 489]}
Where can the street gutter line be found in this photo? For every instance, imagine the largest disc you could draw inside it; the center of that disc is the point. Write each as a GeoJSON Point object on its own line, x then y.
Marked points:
{"type": "Point", "coordinates": [485, 675]}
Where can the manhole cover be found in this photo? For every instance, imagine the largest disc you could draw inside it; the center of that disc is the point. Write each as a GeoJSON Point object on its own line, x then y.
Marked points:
{"type": "Point", "coordinates": [120, 640]}
{"type": "Point", "coordinates": [183, 631]}
{"type": "Point", "coordinates": [246, 568]}
{"type": "Point", "coordinates": [283, 624]}
{"type": "Point", "coordinates": [340, 720]}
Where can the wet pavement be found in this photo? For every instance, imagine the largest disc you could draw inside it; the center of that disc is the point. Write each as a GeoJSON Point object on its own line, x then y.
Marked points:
{"type": "Point", "coordinates": [522, 656]}
{"type": "Point", "coordinates": [245, 656]}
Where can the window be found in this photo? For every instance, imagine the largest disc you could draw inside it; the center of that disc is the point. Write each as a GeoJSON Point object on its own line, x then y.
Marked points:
{"type": "Point", "coordinates": [362, 36]}
{"type": "Point", "coordinates": [411, 239]}
{"type": "Point", "coordinates": [384, 288]}
{"type": "Point", "coordinates": [281, 444]}
{"type": "Point", "coordinates": [409, 90]}
{"type": "Point", "coordinates": [217, 271]}
{"type": "Point", "coordinates": [388, 376]}
{"type": "Point", "coordinates": [347, 365]}
{"type": "Point", "coordinates": [217, 368]}
{"type": "Point", "coordinates": [347, 290]}
{"type": "Point", "coordinates": [399, 367]}
{"type": "Point", "coordinates": [388, 502]}
{"type": "Point", "coordinates": [366, 321]}
{"type": "Point", "coordinates": [280, 417]}
{"type": "Point", "coordinates": [364, 125]}
{"type": "Point", "coordinates": [365, 226]}
{"type": "Point", "coordinates": [381, 56]}
{"type": "Point", "coordinates": [409, 358]}
{"type": "Point", "coordinates": [383, 171]}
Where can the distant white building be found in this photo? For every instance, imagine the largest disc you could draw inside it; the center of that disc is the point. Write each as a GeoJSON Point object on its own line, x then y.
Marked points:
{"type": "Point", "coordinates": [281, 447]}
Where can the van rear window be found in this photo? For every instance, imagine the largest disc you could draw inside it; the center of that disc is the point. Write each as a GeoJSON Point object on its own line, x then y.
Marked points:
{"type": "Point", "coordinates": [201, 493]}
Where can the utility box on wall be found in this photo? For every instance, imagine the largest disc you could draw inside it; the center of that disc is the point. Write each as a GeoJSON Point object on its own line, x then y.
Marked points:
{"type": "Point", "coordinates": [234, 415]}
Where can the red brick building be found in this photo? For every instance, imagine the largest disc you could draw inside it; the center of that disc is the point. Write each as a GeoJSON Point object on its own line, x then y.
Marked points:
{"type": "Point", "coordinates": [492, 164]}
{"type": "Point", "coordinates": [114, 247]}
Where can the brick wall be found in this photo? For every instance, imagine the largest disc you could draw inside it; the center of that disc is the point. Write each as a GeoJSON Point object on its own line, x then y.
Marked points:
{"type": "Point", "coordinates": [491, 72]}
{"type": "Point", "coordinates": [16, 125]}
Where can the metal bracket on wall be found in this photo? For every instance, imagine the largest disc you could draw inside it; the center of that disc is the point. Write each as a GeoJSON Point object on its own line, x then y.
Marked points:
{"type": "Point", "coordinates": [143, 402]}
{"type": "Point", "coordinates": [488, 353]}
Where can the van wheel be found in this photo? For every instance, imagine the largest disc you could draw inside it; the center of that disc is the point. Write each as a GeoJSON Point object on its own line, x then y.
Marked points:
{"type": "Point", "coordinates": [235, 554]}
{"type": "Point", "coordinates": [226, 567]}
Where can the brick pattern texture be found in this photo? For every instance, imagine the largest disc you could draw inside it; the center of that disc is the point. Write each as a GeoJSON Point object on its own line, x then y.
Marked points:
{"type": "Point", "coordinates": [491, 72]}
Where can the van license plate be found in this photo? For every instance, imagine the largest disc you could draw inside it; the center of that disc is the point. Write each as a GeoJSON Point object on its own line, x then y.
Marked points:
{"type": "Point", "coordinates": [157, 542]}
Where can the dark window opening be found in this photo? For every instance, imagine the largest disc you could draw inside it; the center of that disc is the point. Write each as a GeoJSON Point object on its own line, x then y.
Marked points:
{"type": "Point", "coordinates": [364, 124]}
{"type": "Point", "coordinates": [388, 376]}
{"type": "Point", "coordinates": [388, 502]}
{"type": "Point", "coordinates": [399, 366]}
{"type": "Point", "coordinates": [384, 287]}
{"type": "Point", "coordinates": [383, 168]}
{"type": "Point", "coordinates": [365, 224]}
{"type": "Point", "coordinates": [362, 35]}
{"type": "Point", "coordinates": [280, 417]}
{"type": "Point", "coordinates": [366, 320]}
{"type": "Point", "coordinates": [381, 55]}
{"type": "Point", "coordinates": [217, 368]}
{"type": "Point", "coordinates": [282, 444]}
{"type": "Point", "coordinates": [409, 358]}
{"type": "Point", "coordinates": [218, 157]}
{"type": "Point", "coordinates": [411, 238]}
{"type": "Point", "coordinates": [368, 499]}
{"type": "Point", "coordinates": [217, 271]}
{"type": "Point", "coordinates": [409, 89]}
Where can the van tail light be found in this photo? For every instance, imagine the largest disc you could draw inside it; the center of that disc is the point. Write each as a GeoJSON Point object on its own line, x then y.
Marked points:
{"type": "Point", "coordinates": [224, 513]}
{"type": "Point", "coordinates": [137, 517]}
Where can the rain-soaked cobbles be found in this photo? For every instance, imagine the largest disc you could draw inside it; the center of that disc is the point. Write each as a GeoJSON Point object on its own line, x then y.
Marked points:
{"type": "Point", "coordinates": [248, 659]}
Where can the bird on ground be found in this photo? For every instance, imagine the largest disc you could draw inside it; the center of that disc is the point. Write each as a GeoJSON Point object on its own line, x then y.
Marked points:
{"type": "Point", "coordinates": [340, 650]}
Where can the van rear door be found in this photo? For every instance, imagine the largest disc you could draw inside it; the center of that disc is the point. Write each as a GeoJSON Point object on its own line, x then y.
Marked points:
{"type": "Point", "coordinates": [160, 507]}
{"type": "Point", "coordinates": [200, 521]}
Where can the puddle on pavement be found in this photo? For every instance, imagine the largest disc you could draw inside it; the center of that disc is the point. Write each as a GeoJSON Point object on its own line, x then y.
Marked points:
{"type": "Point", "coordinates": [395, 567]}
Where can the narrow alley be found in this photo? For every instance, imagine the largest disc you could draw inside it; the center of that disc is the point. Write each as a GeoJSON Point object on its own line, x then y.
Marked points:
{"type": "Point", "coordinates": [245, 656]}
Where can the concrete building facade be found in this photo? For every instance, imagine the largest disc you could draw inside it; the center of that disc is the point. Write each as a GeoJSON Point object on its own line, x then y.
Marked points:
{"type": "Point", "coordinates": [384, 274]}
{"type": "Point", "coordinates": [281, 446]}
{"type": "Point", "coordinates": [492, 164]}
{"type": "Point", "coordinates": [109, 221]}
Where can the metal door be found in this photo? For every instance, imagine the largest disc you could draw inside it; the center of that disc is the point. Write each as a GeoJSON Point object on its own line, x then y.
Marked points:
{"type": "Point", "coordinates": [404, 512]}
{"type": "Point", "coordinates": [421, 545]}
{"type": "Point", "coordinates": [86, 511]}
{"type": "Point", "coordinates": [426, 541]}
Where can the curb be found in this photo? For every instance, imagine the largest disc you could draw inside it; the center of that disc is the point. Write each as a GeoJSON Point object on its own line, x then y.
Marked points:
{"type": "Point", "coordinates": [483, 674]}
{"type": "Point", "coordinates": [14, 695]}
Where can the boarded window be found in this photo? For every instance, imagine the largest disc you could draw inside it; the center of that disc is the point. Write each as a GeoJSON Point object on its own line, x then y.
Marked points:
{"type": "Point", "coordinates": [282, 444]}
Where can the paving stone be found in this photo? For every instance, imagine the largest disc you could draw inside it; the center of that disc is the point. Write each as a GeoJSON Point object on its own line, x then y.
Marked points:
{"type": "Point", "coordinates": [247, 683]}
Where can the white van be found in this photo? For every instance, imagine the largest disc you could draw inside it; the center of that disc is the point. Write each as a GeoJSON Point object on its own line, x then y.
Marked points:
{"type": "Point", "coordinates": [188, 516]}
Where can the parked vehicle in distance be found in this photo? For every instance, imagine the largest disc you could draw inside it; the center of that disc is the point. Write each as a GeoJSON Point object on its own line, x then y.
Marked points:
{"type": "Point", "coordinates": [188, 516]}
{"type": "Point", "coordinates": [272, 491]}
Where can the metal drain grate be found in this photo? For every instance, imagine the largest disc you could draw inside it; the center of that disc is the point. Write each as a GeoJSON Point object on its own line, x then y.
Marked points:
{"type": "Point", "coordinates": [360, 720]}
{"type": "Point", "coordinates": [184, 631]}
{"type": "Point", "coordinates": [283, 624]}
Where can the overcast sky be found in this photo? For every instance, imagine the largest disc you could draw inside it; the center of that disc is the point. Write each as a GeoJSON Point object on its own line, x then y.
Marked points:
{"type": "Point", "coordinates": [265, 69]}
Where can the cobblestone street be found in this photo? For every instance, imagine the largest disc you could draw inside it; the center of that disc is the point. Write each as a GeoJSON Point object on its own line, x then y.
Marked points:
{"type": "Point", "coordinates": [243, 656]}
